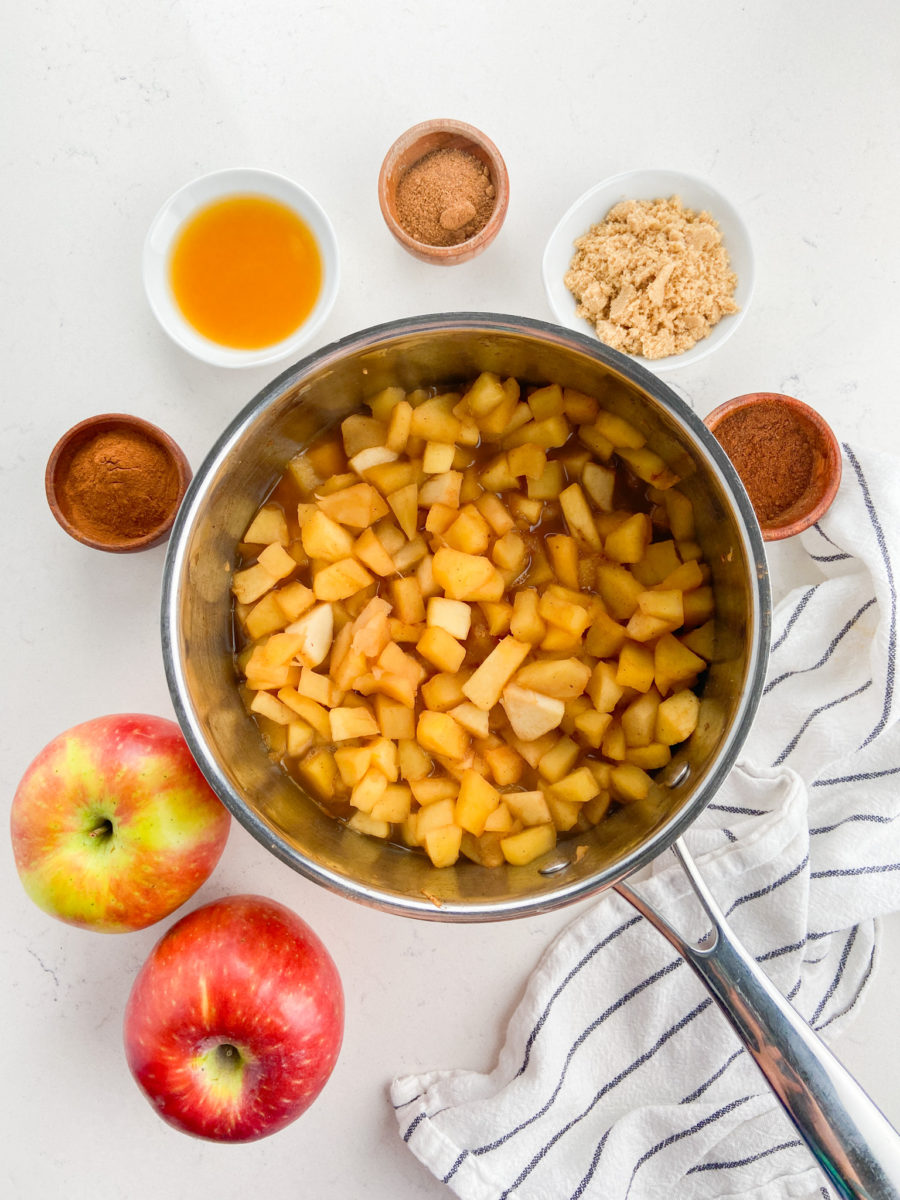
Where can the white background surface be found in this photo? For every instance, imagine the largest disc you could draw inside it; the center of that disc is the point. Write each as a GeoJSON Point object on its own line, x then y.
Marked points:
{"type": "Point", "coordinates": [789, 109]}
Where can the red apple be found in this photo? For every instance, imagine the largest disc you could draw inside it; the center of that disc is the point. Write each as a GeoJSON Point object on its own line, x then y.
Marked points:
{"type": "Point", "coordinates": [234, 1022]}
{"type": "Point", "coordinates": [113, 825]}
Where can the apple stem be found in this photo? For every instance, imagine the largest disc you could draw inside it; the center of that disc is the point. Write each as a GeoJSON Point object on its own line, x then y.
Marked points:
{"type": "Point", "coordinates": [103, 830]}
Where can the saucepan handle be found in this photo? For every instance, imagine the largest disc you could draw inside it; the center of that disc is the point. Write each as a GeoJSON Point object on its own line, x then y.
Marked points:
{"type": "Point", "coordinates": [851, 1139]}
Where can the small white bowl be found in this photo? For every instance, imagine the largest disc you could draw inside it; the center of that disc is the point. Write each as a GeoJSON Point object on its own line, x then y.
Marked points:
{"type": "Point", "coordinates": [238, 181]}
{"type": "Point", "coordinates": [593, 206]}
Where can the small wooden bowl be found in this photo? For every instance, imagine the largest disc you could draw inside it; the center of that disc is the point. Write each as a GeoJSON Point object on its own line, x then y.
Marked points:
{"type": "Point", "coordinates": [420, 140]}
{"type": "Point", "coordinates": [826, 472]}
{"type": "Point", "coordinates": [60, 462]}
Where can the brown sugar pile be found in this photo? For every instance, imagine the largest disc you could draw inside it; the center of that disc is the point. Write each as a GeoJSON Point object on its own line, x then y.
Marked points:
{"type": "Point", "coordinates": [652, 277]}
{"type": "Point", "coordinates": [445, 198]}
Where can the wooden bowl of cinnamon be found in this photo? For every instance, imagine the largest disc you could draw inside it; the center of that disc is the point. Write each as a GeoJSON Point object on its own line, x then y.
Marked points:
{"type": "Point", "coordinates": [443, 191]}
{"type": "Point", "coordinates": [786, 455]}
{"type": "Point", "coordinates": [114, 482]}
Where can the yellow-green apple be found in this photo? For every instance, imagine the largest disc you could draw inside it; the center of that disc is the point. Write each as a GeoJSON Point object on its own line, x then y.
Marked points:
{"type": "Point", "coordinates": [113, 825]}
{"type": "Point", "coordinates": [234, 1022]}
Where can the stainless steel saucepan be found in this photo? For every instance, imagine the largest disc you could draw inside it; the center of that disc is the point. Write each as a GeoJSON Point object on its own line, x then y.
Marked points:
{"type": "Point", "coordinates": [853, 1142]}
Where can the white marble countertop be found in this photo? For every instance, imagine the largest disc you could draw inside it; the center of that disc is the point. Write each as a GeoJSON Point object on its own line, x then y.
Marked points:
{"type": "Point", "coordinates": [789, 109]}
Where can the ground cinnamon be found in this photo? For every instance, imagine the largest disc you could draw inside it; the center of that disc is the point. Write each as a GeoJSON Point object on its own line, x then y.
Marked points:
{"type": "Point", "coordinates": [773, 455]}
{"type": "Point", "coordinates": [445, 198]}
{"type": "Point", "coordinates": [119, 486]}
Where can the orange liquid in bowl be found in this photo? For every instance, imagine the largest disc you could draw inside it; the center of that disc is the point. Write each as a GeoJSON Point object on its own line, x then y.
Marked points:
{"type": "Point", "coordinates": [246, 272]}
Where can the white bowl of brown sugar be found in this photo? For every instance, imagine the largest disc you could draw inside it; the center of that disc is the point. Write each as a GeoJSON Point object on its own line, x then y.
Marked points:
{"type": "Point", "coordinates": [655, 263]}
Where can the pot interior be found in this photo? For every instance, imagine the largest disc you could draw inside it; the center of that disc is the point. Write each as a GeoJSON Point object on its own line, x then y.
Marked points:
{"type": "Point", "coordinates": [197, 622]}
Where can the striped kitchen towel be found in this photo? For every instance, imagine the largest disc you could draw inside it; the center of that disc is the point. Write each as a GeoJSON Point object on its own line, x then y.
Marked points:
{"type": "Point", "coordinates": [619, 1077]}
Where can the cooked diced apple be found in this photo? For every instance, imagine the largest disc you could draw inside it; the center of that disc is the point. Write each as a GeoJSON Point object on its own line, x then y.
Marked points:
{"type": "Point", "coordinates": [439, 734]}
{"type": "Point", "coordinates": [394, 804]}
{"type": "Point", "coordinates": [557, 610]}
{"type": "Point", "coordinates": [358, 506]}
{"type": "Point", "coordinates": [269, 525]}
{"type": "Point", "coordinates": [563, 551]}
{"type": "Point", "coordinates": [629, 783]}
{"type": "Point", "coordinates": [308, 710]}
{"type": "Point", "coordinates": [466, 576]}
{"type": "Point", "coordinates": [399, 426]}
{"type": "Point", "coordinates": [454, 616]}
{"type": "Point", "coordinates": [442, 845]}
{"type": "Point", "coordinates": [404, 503]}
{"type": "Point", "coordinates": [366, 794]}
{"type": "Point", "coordinates": [505, 764]}
{"type": "Point", "coordinates": [266, 616]}
{"type": "Point", "coordinates": [477, 799]}
{"type": "Point", "coordinates": [363, 822]}
{"type": "Point", "coordinates": [639, 719]}
{"type": "Point", "coordinates": [591, 727]}
{"type": "Point", "coordinates": [498, 615]}
{"type": "Point", "coordinates": [618, 431]}
{"type": "Point", "coordinates": [441, 489]}
{"type": "Point", "coordinates": [559, 677]}
{"type": "Point", "coordinates": [526, 624]}
{"type": "Point", "coordinates": [578, 787]}
{"type": "Point", "coordinates": [434, 421]}
{"type": "Point", "coordinates": [470, 532]}
{"type": "Point", "coordinates": [605, 637]}
{"type": "Point", "coordinates": [558, 761]}
{"type": "Point", "coordinates": [413, 763]}
{"type": "Point", "coordinates": [324, 538]}
{"type": "Point", "coordinates": [410, 554]}
{"type": "Point", "coordinates": [438, 457]}
{"type": "Point", "coordinates": [636, 667]}
{"type": "Point", "coordinates": [519, 849]}
{"type": "Point", "coordinates": [340, 580]}
{"type": "Point", "coordinates": [497, 476]}
{"type": "Point", "coordinates": [266, 705]}
{"type": "Point", "coordinates": [701, 641]}
{"type": "Point", "coordinates": [628, 541]}
{"type": "Point", "coordinates": [549, 485]}
{"type": "Point", "coordinates": [319, 773]}
{"type": "Point", "coordinates": [316, 629]}
{"type": "Point", "coordinates": [395, 720]}
{"type": "Point", "coordinates": [530, 807]}
{"type": "Point", "coordinates": [531, 714]}
{"type": "Point", "coordinates": [599, 483]}
{"type": "Point", "coordinates": [495, 513]}
{"type": "Point", "coordinates": [276, 560]}
{"type": "Point", "coordinates": [619, 590]}
{"type": "Point", "coordinates": [660, 559]}
{"type": "Point", "coordinates": [352, 762]}
{"type": "Point", "coordinates": [648, 466]}
{"type": "Point", "coordinates": [528, 460]}
{"type": "Point", "coordinates": [300, 738]}
{"type": "Point", "coordinates": [674, 663]}
{"type": "Point", "coordinates": [348, 723]}
{"type": "Point", "coordinates": [484, 686]}
{"type": "Point", "coordinates": [578, 516]}
{"type": "Point", "coordinates": [699, 606]}
{"type": "Point", "coordinates": [651, 757]}
{"type": "Point", "coordinates": [383, 403]}
{"type": "Point", "coordinates": [374, 456]}
{"type": "Point", "coordinates": [443, 691]}
{"type": "Point", "coordinates": [441, 649]}
{"type": "Point", "coordinates": [372, 554]}
{"type": "Point", "coordinates": [294, 599]}
{"type": "Point", "coordinates": [474, 720]}
{"type": "Point", "coordinates": [677, 717]}
{"type": "Point", "coordinates": [549, 432]}
{"type": "Point", "coordinates": [360, 432]}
